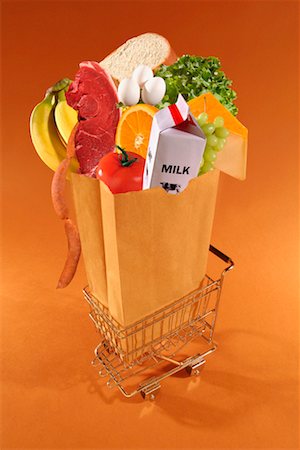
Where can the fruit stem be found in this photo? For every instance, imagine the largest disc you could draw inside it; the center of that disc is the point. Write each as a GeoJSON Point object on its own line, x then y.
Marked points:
{"type": "Point", "coordinates": [59, 86]}
{"type": "Point", "coordinates": [124, 160]}
{"type": "Point", "coordinates": [49, 98]}
{"type": "Point", "coordinates": [61, 95]}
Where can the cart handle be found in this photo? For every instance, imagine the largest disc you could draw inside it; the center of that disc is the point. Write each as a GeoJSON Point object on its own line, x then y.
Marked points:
{"type": "Point", "coordinates": [222, 256]}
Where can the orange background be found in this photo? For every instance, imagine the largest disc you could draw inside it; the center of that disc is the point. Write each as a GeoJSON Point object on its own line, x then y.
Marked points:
{"type": "Point", "coordinates": [247, 395]}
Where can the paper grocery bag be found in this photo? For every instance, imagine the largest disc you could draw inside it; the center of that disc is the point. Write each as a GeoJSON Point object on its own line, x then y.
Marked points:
{"type": "Point", "coordinates": [86, 194]}
{"type": "Point", "coordinates": [143, 250]}
{"type": "Point", "coordinates": [156, 245]}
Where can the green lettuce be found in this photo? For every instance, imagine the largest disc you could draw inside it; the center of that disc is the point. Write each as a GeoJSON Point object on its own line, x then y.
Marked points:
{"type": "Point", "coordinates": [192, 76]}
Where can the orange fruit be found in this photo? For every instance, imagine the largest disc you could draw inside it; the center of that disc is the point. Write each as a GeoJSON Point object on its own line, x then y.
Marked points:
{"type": "Point", "coordinates": [134, 128]}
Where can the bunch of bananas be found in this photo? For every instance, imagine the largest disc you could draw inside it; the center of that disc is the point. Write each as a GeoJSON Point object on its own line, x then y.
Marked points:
{"type": "Point", "coordinates": [51, 123]}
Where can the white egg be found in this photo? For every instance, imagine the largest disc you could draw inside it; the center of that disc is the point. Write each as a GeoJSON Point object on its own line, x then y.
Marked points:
{"type": "Point", "coordinates": [154, 91]}
{"type": "Point", "coordinates": [129, 92]}
{"type": "Point", "coordinates": [141, 74]}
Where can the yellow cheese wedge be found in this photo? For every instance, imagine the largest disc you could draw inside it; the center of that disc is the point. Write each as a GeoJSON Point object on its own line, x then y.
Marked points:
{"type": "Point", "coordinates": [232, 159]}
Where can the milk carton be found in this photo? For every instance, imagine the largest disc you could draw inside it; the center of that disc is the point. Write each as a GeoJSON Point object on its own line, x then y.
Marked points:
{"type": "Point", "coordinates": [175, 149]}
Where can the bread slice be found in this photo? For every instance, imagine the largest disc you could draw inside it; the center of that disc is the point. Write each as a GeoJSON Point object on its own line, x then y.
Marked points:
{"type": "Point", "coordinates": [150, 49]}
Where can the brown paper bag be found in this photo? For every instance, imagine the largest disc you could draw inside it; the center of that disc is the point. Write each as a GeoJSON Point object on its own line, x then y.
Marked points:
{"type": "Point", "coordinates": [89, 220]}
{"type": "Point", "coordinates": [143, 250]}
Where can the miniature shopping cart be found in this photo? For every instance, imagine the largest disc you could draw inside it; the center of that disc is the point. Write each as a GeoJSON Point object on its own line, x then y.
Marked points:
{"type": "Point", "coordinates": [138, 357]}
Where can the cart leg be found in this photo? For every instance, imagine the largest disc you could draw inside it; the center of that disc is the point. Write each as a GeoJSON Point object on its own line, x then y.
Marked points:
{"type": "Point", "coordinates": [150, 395]}
{"type": "Point", "coordinates": [150, 390]}
{"type": "Point", "coordinates": [196, 367]}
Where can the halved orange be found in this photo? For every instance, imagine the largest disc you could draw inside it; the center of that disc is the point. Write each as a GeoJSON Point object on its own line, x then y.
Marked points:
{"type": "Point", "coordinates": [134, 128]}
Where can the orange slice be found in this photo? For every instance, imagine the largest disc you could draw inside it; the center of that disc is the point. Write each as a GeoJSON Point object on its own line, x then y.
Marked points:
{"type": "Point", "coordinates": [232, 159]}
{"type": "Point", "coordinates": [134, 128]}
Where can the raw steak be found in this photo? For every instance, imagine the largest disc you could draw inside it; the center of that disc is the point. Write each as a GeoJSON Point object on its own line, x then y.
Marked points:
{"type": "Point", "coordinates": [94, 95]}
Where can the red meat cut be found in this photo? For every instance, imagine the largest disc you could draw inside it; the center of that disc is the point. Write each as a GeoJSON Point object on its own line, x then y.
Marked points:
{"type": "Point", "coordinates": [94, 95]}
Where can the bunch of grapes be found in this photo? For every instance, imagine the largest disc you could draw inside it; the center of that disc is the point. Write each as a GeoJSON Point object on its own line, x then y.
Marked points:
{"type": "Point", "coordinates": [216, 135]}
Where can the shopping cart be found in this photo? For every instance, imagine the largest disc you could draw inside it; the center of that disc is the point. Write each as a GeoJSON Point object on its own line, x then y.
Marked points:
{"type": "Point", "coordinates": [138, 357]}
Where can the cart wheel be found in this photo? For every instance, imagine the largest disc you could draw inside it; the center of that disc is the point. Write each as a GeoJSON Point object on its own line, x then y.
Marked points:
{"type": "Point", "coordinates": [196, 369]}
{"type": "Point", "coordinates": [150, 395]}
{"type": "Point", "coordinates": [150, 391]}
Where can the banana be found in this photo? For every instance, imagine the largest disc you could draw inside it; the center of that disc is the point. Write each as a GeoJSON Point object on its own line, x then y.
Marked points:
{"type": "Point", "coordinates": [65, 117]}
{"type": "Point", "coordinates": [44, 133]}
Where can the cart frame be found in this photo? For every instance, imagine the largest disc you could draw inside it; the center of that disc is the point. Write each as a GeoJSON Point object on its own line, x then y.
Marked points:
{"type": "Point", "coordinates": [127, 355]}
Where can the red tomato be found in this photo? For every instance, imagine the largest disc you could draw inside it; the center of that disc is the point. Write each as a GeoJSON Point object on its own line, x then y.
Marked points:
{"type": "Point", "coordinates": [121, 172]}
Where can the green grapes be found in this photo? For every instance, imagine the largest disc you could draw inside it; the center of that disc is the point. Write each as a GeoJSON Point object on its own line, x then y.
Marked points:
{"type": "Point", "coordinates": [212, 140]}
{"type": "Point", "coordinates": [218, 122]}
{"type": "Point", "coordinates": [220, 144]}
{"type": "Point", "coordinates": [216, 135]}
{"type": "Point", "coordinates": [202, 118]}
{"type": "Point", "coordinates": [208, 128]}
{"type": "Point", "coordinates": [207, 167]}
{"type": "Point", "coordinates": [210, 154]}
{"type": "Point", "coordinates": [221, 132]}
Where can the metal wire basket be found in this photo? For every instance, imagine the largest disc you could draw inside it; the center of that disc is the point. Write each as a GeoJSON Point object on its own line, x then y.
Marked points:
{"type": "Point", "coordinates": [137, 357]}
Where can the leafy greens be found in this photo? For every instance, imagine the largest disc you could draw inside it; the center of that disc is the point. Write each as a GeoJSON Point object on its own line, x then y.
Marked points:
{"type": "Point", "coordinates": [192, 76]}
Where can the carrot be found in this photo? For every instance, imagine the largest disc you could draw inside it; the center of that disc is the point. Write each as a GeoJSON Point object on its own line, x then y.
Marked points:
{"type": "Point", "coordinates": [57, 189]}
{"type": "Point", "coordinates": [74, 250]}
{"type": "Point", "coordinates": [71, 143]}
{"type": "Point", "coordinates": [60, 206]}
{"type": "Point", "coordinates": [61, 209]}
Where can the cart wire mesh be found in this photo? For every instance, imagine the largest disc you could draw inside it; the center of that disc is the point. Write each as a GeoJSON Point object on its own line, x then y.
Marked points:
{"type": "Point", "coordinates": [131, 356]}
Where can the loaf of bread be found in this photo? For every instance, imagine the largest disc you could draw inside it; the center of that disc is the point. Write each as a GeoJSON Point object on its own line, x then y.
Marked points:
{"type": "Point", "coordinates": [150, 49]}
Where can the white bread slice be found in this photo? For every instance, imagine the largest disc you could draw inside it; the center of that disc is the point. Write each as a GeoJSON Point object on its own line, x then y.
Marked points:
{"type": "Point", "coordinates": [150, 49]}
